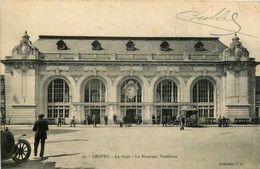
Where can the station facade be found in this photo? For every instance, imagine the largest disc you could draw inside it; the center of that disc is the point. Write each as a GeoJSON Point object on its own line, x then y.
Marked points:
{"type": "Point", "coordinates": [65, 76]}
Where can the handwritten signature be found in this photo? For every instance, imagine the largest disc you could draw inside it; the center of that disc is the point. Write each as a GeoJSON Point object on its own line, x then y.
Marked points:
{"type": "Point", "coordinates": [222, 15]}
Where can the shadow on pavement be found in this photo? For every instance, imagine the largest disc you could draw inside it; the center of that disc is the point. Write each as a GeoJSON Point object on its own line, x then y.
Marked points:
{"type": "Point", "coordinates": [60, 155]}
{"type": "Point", "coordinates": [58, 141]}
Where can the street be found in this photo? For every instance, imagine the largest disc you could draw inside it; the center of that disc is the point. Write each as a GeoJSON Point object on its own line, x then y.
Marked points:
{"type": "Point", "coordinates": [144, 147]}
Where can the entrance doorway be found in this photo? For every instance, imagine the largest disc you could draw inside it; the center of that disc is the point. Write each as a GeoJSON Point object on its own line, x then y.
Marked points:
{"type": "Point", "coordinates": [97, 113]}
{"type": "Point", "coordinates": [166, 112]}
{"type": "Point", "coordinates": [130, 116]}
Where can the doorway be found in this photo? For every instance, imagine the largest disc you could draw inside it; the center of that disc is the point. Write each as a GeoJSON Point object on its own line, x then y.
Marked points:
{"type": "Point", "coordinates": [166, 112]}
{"type": "Point", "coordinates": [97, 113]}
{"type": "Point", "coordinates": [130, 116]}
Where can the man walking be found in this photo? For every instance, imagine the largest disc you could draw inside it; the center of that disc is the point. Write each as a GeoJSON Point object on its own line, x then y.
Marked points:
{"type": "Point", "coordinates": [59, 122]}
{"type": "Point", "coordinates": [182, 123]}
{"type": "Point", "coordinates": [40, 127]}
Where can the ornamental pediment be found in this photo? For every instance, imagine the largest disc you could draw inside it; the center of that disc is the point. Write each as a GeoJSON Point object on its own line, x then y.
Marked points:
{"type": "Point", "coordinates": [25, 49]}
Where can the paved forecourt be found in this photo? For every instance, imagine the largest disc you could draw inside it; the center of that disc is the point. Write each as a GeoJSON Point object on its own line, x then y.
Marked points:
{"type": "Point", "coordinates": [145, 147]}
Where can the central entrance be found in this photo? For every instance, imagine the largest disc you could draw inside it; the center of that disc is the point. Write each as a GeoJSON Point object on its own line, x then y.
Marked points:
{"type": "Point", "coordinates": [97, 113]}
{"type": "Point", "coordinates": [166, 112]}
{"type": "Point", "coordinates": [131, 115]}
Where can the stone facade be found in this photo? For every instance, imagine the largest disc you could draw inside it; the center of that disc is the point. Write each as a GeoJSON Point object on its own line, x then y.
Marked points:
{"type": "Point", "coordinates": [80, 76]}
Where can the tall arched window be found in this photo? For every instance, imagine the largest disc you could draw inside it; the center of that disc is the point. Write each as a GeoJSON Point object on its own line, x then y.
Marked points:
{"type": "Point", "coordinates": [167, 92]}
{"type": "Point", "coordinates": [203, 93]}
{"type": "Point", "coordinates": [58, 99]}
{"type": "Point", "coordinates": [131, 91]}
{"type": "Point", "coordinates": [95, 91]}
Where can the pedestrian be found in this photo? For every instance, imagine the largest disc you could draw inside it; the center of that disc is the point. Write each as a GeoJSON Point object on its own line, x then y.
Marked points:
{"type": "Point", "coordinates": [115, 119]}
{"type": "Point", "coordinates": [164, 120]}
{"type": "Point", "coordinates": [140, 119]}
{"type": "Point", "coordinates": [94, 119]}
{"type": "Point", "coordinates": [73, 122]}
{"type": "Point", "coordinates": [158, 119]}
{"type": "Point", "coordinates": [136, 120]}
{"type": "Point", "coordinates": [40, 127]}
{"type": "Point", "coordinates": [182, 123]}
{"type": "Point", "coordinates": [59, 122]}
{"type": "Point", "coordinates": [168, 120]}
{"type": "Point", "coordinates": [173, 120]}
{"type": "Point", "coordinates": [219, 121]}
{"type": "Point", "coordinates": [153, 119]}
{"type": "Point", "coordinates": [106, 120]}
{"type": "Point", "coordinates": [224, 121]}
{"type": "Point", "coordinates": [89, 119]}
{"type": "Point", "coordinates": [121, 122]}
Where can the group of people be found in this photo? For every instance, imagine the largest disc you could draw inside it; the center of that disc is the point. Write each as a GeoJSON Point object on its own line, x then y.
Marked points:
{"type": "Point", "coordinates": [222, 122]}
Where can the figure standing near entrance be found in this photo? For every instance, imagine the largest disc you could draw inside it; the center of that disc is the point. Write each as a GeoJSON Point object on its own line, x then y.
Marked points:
{"type": "Point", "coordinates": [89, 119]}
{"type": "Point", "coordinates": [219, 121]}
{"type": "Point", "coordinates": [115, 119]}
{"type": "Point", "coordinates": [94, 119]}
{"type": "Point", "coordinates": [164, 120]}
{"type": "Point", "coordinates": [153, 119]}
{"type": "Point", "coordinates": [106, 120]}
{"type": "Point", "coordinates": [73, 122]}
{"type": "Point", "coordinates": [40, 127]}
{"type": "Point", "coordinates": [224, 121]}
{"type": "Point", "coordinates": [158, 119]}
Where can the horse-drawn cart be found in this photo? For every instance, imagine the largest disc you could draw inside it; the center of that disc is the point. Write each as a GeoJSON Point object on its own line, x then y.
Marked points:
{"type": "Point", "coordinates": [191, 117]}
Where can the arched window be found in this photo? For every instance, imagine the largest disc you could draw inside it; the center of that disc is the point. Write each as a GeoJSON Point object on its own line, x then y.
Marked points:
{"type": "Point", "coordinates": [131, 91]}
{"type": "Point", "coordinates": [58, 99]}
{"type": "Point", "coordinates": [203, 93]}
{"type": "Point", "coordinates": [167, 92]}
{"type": "Point", "coordinates": [95, 91]}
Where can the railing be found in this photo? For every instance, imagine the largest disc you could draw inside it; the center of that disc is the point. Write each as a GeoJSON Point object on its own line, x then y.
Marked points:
{"type": "Point", "coordinates": [129, 57]}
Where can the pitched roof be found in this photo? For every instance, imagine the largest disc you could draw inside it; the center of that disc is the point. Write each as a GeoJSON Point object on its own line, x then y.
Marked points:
{"type": "Point", "coordinates": [82, 44]}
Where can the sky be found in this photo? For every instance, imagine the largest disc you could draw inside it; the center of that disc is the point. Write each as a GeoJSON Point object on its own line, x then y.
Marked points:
{"type": "Point", "coordinates": [154, 18]}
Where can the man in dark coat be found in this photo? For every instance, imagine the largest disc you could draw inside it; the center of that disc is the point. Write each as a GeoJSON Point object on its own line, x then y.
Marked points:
{"type": "Point", "coordinates": [89, 119]}
{"type": "Point", "coordinates": [40, 127]}
{"type": "Point", "coordinates": [219, 121]}
{"type": "Point", "coordinates": [106, 120]}
{"type": "Point", "coordinates": [153, 119]}
{"type": "Point", "coordinates": [164, 120]}
{"type": "Point", "coordinates": [158, 119]}
{"type": "Point", "coordinates": [224, 121]}
{"type": "Point", "coordinates": [59, 122]}
{"type": "Point", "coordinates": [115, 118]}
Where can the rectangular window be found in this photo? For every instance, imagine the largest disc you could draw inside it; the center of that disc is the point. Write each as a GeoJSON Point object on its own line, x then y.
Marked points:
{"type": "Point", "coordinates": [55, 112]}
{"type": "Point", "coordinates": [67, 111]}
{"type": "Point", "coordinates": [49, 112]}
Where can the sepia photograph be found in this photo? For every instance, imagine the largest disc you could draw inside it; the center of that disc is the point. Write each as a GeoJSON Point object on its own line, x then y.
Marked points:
{"type": "Point", "coordinates": [130, 84]}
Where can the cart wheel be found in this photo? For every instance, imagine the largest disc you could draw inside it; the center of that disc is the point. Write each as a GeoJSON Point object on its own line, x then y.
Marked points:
{"type": "Point", "coordinates": [22, 152]}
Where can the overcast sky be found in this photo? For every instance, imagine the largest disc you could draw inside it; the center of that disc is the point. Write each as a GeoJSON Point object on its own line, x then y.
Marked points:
{"type": "Point", "coordinates": [135, 18]}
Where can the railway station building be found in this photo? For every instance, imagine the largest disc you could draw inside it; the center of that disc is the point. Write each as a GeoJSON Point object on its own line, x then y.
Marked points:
{"type": "Point", "coordinates": [66, 76]}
